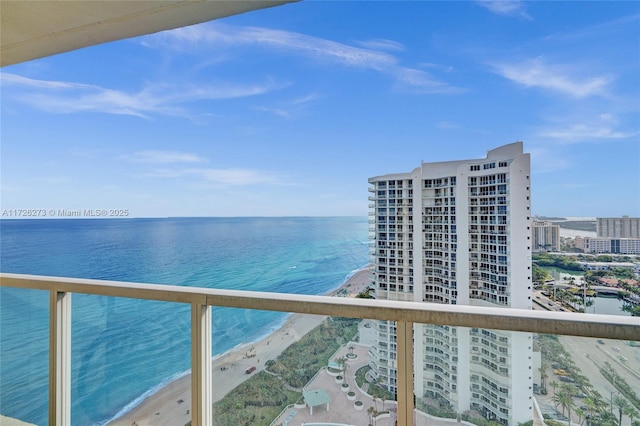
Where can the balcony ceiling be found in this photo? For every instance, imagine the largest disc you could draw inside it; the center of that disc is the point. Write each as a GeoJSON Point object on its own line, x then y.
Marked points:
{"type": "Point", "coordinates": [35, 29]}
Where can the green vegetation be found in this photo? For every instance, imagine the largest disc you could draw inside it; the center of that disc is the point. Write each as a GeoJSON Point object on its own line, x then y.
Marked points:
{"type": "Point", "coordinates": [476, 420]}
{"type": "Point", "coordinates": [257, 401]}
{"type": "Point", "coordinates": [633, 310]}
{"type": "Point", "coordinates": [360, 375]}
{"type": "Point", "coordinates": [370, 388]}
{"type": "Point", "coordinates": [365, 294]}
{"type": "Point", "coordinates": [579, 225]}
{"type": "Point", "coordinates": [550, 422]}
{"type": "Point", "coordinates": [443, 412]}
{"type": "Point", "coordinates": [620, 273]}
{"type": "Point", "coordinates": [565, 262]}
{"type": "Point", "coordinates": [540, 275]}
{"type": "Point", "coordinates": [621, 384]}
{"type": "Point", "coordinates": [570, 263]}
{"type": "Point", "coordinates": [302, 360]}
{"type": "Point", "coordinates": [595, 407]}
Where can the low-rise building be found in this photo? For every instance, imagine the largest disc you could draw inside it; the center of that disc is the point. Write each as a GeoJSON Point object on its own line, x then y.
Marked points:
{"type": "Point", "coordinates": [608, 245]}
{"type": "Point", "coordinates": [606, 266]}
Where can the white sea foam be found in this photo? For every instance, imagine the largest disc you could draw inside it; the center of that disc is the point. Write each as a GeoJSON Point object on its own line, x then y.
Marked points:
{"type": "Point", "coordinates": [133, 404]}
{"type": "Point", "coordinates": [213, 252]}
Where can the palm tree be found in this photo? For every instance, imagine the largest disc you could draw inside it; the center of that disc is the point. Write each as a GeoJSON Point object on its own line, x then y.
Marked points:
{"type": "Point", "coordinates": [351, 349]}
{"type": "Point", "coordinates": [375, 400]}
{"type": "Point", "coordinates": [592, 407]}
{"type": "Point", "coordinates": [632, 413]}
{"type": "Point", "coordinates": [543, 377]}
{"type": "Point", "coordinates": [623, 405]}
{"type": "Point", "coordinates": [581, 381]}
{"type": "Point", "coordinates": [580, 413]}
{"type": "Point", "coordinates": [564, 399]}
{"type": "Point", "coordinates": [557, 399]}
{"type": "Point", "coordinates": [370, 412]}
{"type": "Point", "coordinates": [569, 405]}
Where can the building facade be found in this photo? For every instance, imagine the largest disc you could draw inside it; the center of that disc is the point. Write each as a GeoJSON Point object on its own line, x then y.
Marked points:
{"type": "Point", "coordinates": [545, 236]}
{"type": "Point", "coordinates": [458, 232]}
{"type": "Point", "coordinates": [609, 245]}
{"type": "Point", "coordinates": [618, 227]}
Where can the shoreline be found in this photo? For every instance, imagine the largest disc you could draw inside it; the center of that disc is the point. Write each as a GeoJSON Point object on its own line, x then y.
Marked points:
{"type": "Point", "coordinates": [170, 405]}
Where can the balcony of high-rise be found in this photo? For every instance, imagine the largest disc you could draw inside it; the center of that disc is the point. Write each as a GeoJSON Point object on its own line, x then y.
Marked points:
{"type": "Point", "coordinates": [60, 335]}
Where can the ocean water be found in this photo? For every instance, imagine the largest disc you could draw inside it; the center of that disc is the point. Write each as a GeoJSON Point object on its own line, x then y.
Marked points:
{"type": "Point", "coordinates": [124, 349]}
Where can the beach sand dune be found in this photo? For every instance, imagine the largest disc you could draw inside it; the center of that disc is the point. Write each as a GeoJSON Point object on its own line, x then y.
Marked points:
{"type": "Point", "coordinates": [171, 405]}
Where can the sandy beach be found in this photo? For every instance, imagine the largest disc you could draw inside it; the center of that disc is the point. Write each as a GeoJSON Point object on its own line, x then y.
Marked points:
{"type": "Point", "coordinates": [170, 405]}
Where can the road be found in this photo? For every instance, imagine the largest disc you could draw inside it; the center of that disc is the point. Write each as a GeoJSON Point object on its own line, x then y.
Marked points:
{"type": "Point", "coordinates": [590, 354]}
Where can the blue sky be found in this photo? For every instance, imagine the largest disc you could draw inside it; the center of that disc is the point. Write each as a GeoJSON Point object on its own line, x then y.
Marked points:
{"type": "Point", "coordinates": [288, 111]}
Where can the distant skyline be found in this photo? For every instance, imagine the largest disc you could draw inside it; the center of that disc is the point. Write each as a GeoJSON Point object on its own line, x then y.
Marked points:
{"type": "Point", "coordinates": [288, 111]}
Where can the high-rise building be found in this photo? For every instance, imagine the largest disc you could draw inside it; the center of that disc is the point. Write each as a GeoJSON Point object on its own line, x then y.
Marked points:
{"type": "Point", "coordinates": [545, 236]}
{"type": "Point", "coordinates": [618, 227]}
{"type": "Point", "coordinates": [458, 232]}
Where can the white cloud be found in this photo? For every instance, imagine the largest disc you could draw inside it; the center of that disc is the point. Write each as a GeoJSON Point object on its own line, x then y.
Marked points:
{"type": "Point", "coordinates": [235, 177]}
{"type": "Point", "coordinates": [280, 112]}
{"type": "Point", "coordinates": [67, 97]}
{"type": "Point", "coordinates": [544, 160]}
{"type": "Point", "coordinates": [598, 29]}
{"type": "Point", "coordinates": [444, 68]}
{"type": "Point", "coordinates": [382, 44]}
{"type": "Point", "coordinates": [18, 80]}
{"type": "Point", "coordinates": [163, 157]}
{"type": "Point", "coordinates": [577, 133]}
{"type": "Point", "coordinates": [163, 174]}
{"type": "Point", "coordinates": [416, 81]}
{"type": "Point", "coordinates": [556, 78]}
{"type": "Point", "coordinates": [589, 128]}
{"type": "Point", "coordinates": [220, 176]}
{"type": "Point", "coordinates": [305, 99]}
{"type": "Point", "coordinates": [54, 180]}
{"type": "Point", "coordinates": [505, 7]}
{"type": "Point", "coordinates": [288, 109]}
{"type": "Point", "coordinates": [221, 35]}
{"type": "Point", "coordinates": [446, 125]}
{"type": "Point", "coordinates": [9, 188]}
{"type": "Point", "coordinates": [215, 35]}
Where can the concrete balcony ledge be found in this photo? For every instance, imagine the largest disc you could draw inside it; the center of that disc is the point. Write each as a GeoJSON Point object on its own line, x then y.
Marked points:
{"type": "Point", "coordinates": [404, 314]}
{"type": "Point", "coordinates": [8, 421]}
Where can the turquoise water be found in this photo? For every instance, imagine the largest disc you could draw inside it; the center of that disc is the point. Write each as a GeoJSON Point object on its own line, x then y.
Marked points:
{"type": "Point", "coordinates": [125, 349]}
{"type": "Point", "coordinates": [601, 305]}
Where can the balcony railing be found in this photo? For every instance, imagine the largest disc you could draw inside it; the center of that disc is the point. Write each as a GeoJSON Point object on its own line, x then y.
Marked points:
{"type": "Point", "coordinates": [202, 300]}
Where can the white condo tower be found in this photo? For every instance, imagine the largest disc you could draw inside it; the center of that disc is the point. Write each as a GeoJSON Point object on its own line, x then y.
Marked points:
{"type": "Point", "coordinates": [458, 232]}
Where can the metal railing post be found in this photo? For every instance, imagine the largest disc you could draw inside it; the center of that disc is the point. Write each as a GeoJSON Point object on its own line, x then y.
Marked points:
{"type": "Point", "coordinates": [404, 336]}
{"type": "Point", "coordinates": [201, 373]}
{"type": "Point", "coordinates": [59, 358]}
